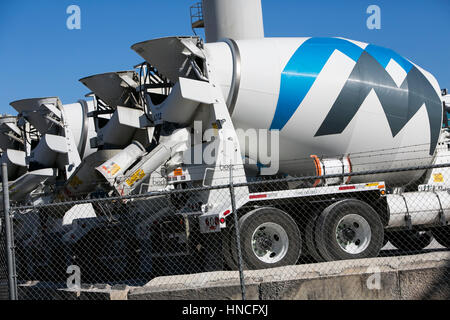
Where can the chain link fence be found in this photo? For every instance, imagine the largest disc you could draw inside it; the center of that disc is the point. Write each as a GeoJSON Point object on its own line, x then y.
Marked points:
{"type": "Point", "coordinates": [4, 292]}
{"type": "Point", "coordinates": [315, 237]}
{"type": "Point", "coordinates": [338, 234]}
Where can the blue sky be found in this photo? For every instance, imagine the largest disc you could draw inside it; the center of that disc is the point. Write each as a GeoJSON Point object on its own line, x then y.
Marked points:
{"type": "Point", "coordinates": [40, 57]}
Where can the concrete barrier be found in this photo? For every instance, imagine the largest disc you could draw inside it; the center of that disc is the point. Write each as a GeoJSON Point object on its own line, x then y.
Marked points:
{"type": "Point", "coordinates": [424, 276]}
{"type": "Point", "coordinates": [35, 290]}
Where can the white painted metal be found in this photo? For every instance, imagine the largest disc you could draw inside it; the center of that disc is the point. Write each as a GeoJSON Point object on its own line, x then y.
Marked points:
{"type": "Point", "coordinates": [182, 102]}
{"type": "Point", "coordinates": [35, 110]}
{"type": "Point", "coordinates": [133, 118]}
{"type": "Point", "coordinates": [368, 134]}
{"type": "Point", "coordinates": [14, 157]}
{"type": "Point", "coordinates": [82, 126]}
{"type": "Point", "coordinates": [333, 167]}
{"type": "Point", "coordinates": [81, 211]}
{"type": "Point", "coordinates": [8, 130]}
{"type": "Point", "coordinates": [112, 87]}
{"type": "Point", "coordinates": [219, 55]}
{"type": "Point", "coordinates": [170, 147]}
{"type": "Point", "coordinates": [85, 176]}
{"type": "Point", "coordinates": [446, 100]}
{"type": "Point", "coordinates": [118, 164]}
{"type": "Point", "coordinates": [168, 55]}
{"type": "Point", "coordinates": [439, 178]}
{"type": "Point", "coordinates": [316, 191]}
{"type": "Point", "coordinates": [115, 133]}
{"type": "Point", "coordinates": [16, 162]}
{"type": "Point", "coordinates": [27, 183]}
{"type": "Point", "coordinates": [48, 149]}
{"type": "Point", "coordinates": [74, 115]}
{"type": "Point", "coordinates": [64, 132]}
{"type": "Point", "coordinates": [228, 164]}
{"type": "Point", "coordinates": [423, 208]}
{"type": "Point", "coordinates": [235, 19]}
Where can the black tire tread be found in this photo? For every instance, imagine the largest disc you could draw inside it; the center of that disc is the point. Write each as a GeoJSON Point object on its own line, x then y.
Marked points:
{"type": "Point", "coordinates": [410, 240]}
{"type": "Point", "coordinates": [268, 214]}
{"type": "Point", "coordinates": [328, 215]}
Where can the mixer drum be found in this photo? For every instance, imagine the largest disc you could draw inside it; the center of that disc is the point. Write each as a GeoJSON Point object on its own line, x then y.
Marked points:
{"type": "Point", "coordinates": [332, 97]}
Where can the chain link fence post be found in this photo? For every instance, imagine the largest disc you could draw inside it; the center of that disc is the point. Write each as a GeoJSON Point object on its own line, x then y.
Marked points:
{"type": "Point", "coordinates": [238, 238]}
{"type": "Point", "coordinates": [12, 279]}
{"type": "Point", "coordinates": [4, 290]}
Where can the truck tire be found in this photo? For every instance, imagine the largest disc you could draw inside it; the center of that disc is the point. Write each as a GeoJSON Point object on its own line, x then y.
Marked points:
{"type": "Point", "coordinates": [410, 240]}
{"type": "Point", "coordinates": [385, 240]}
{"type": "Point", "coordinates": [442, 235]}
{"type": "Point", "coordinates": [269, 238]}
{"type": "Point", "coordinates": [349, 229]}
{"type": "Point", "coordinates": [229, 235]}
{"type": "Point", "coordinates": [310, 240]}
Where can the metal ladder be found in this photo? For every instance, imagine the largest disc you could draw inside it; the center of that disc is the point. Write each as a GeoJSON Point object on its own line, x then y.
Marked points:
{"type": "Point", "coordinates": [197, 20]}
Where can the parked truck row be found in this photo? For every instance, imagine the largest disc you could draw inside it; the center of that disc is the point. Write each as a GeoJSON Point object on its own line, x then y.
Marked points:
{"type": "Point", "coordinates": [148, 130]}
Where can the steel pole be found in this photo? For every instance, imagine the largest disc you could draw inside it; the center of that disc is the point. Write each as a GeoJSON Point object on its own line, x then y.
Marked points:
{"type": "Point", "coordinates": [12, 281]}
{"type": "Point", "coordinates": [238, 237]}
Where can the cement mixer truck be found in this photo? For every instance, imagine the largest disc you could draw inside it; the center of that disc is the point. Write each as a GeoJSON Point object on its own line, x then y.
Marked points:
{"type": "Point", "coordinates": [323, 107]}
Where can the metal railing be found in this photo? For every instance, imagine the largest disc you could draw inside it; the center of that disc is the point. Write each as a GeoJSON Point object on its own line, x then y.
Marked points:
{"type": "Point", "coordinates": [197, 19]}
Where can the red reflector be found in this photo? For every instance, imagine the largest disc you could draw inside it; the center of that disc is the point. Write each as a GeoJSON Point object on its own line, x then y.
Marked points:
{"type": "Point", "coordinates": [226, 213]}
{"type": "Point", "coordinates": [347, 188]}
{"type": "Point", "coordinates": [222, 220]}
{"type": "Point", "coordinates": [259, 196]}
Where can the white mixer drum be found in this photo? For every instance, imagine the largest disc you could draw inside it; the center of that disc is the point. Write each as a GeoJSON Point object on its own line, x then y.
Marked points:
{"type": "Point", "coordinates": [333, 97]}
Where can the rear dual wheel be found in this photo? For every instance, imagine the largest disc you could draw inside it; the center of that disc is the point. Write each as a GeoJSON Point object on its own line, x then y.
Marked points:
{"type": "Point", "coordinates": [442, 236]}
{"type": "Point", "coordinates": [310, 240]}
{"type": "Point", "coordinates": [348, 229]}
{"type": "Point", "coordinates": [269, 238]}
{"type": "Point", "coordinates": [410, 240]}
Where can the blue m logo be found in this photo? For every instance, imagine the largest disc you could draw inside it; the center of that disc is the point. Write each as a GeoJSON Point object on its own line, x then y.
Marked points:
{"type": "Point", "coordinates": [369, 73]}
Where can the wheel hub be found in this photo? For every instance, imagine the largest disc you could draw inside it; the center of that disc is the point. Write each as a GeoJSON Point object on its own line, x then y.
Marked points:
{"type": "Point", "coordinates": [264, 243]}
{"type": "Point", "coordinates": [349, 234]}
{"type": "Point", "coordinates": [353, 234]}
{"type": "Point", "coordinates": [270, 242]}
